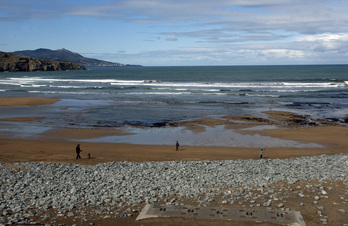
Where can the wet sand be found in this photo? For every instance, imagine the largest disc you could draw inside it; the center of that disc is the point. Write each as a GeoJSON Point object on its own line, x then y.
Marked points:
{"type": "Point", "coordinates": [26, 101]}
{"type": "Point", "coordinates": [54, 146]}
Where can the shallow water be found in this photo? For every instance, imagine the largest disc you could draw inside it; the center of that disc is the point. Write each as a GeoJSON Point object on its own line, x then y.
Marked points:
{"type": "Point", "coordinates": [212, 136]}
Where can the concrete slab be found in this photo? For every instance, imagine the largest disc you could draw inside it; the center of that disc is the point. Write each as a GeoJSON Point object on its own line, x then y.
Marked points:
{"type": "Point", "coordinates": [293, 218]}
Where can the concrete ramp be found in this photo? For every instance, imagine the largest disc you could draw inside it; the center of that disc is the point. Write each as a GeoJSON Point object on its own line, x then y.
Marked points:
{"type": "Point", "coordinates": [218, 213]}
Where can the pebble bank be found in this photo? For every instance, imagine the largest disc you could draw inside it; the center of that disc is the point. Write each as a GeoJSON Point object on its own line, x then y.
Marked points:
{"type": "Point", "coordinates": [67, 188]}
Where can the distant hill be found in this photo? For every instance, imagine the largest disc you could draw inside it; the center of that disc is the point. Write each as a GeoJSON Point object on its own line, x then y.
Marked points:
{"type": "Point", "coordinates": [12, 63]}
{"type": "Point", "coordinates": [65, 55]}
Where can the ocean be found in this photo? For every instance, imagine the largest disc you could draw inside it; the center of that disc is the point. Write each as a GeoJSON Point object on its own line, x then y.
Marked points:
{"type": "Point", "coordinates": [152, 96]}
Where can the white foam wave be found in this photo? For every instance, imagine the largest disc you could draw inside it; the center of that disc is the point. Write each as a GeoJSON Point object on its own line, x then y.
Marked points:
{"type": "Point", "coordinates": [67, 92]}
{"type": "Point", "coordinates": [9, 83]}
{"type": "Point", "coordinates": [71, 87]}
{"type": "Point", "coordinates": [270, 85]}
{"type": "Point", "coordinates": [174, 87]}
{"type": "Point", "coordinates": [51, 80]}
{"type": "Point", "coordinates": [307, 84]}
{"type": "Point", "coordinates": [158, 93]}
{"type": "Point", "coordinates": [186, 89]}
{"type": "Point", "coordinates": [32, 85]}
{"type": "Point", "coordinates": [261, 95]}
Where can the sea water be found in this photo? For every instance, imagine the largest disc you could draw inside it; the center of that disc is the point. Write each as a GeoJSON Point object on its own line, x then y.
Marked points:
{"type": "Point", "coordinates": [151, 96]}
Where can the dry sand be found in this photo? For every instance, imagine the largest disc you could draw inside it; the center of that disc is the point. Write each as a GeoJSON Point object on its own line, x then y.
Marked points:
{"type": "Point", "coordinates": [54, 147]}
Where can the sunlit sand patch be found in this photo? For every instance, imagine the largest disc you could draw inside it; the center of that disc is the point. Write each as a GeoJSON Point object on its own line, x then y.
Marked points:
{"type": "Point", "coordinates": [26, 101]}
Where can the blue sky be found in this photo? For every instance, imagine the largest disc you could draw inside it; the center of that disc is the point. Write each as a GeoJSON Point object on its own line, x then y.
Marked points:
{"type": "Point", "coordinates": [182, 32]}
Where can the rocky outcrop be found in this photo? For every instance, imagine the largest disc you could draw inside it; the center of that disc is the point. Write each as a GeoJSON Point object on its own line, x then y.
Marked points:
{"type": "Point", "coordinates": [64, 55]}
{"type": "Point", "coordinates": [13, 63]}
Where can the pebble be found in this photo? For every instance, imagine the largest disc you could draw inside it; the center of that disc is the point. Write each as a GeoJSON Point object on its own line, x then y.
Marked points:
{"type": "Point", "coordinates": [267, 204]}
{"type": "Point", "coordinates": [69, 188]}
{"type": "Point", "coordinates": [70, 214]}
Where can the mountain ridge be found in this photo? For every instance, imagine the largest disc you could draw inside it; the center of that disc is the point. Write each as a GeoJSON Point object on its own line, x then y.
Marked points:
{"type": "Point", "coordinates": [64, 55]}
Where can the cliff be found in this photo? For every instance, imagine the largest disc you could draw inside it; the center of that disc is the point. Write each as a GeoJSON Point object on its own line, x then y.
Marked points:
{"type": "Point", "coordinates": [65, 55]}
{"type": "Point", "coordinates": [13, 63]}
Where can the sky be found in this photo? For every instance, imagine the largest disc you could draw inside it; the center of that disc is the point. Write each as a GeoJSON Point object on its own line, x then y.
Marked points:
{"type": "Point", "coordinates": [182, 32]}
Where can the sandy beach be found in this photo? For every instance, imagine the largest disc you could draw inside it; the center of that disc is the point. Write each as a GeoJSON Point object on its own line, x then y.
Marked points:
{"type": "Point", "coordinates": [56, 149]}
{"type": "Point", "coordinates": [26, 101]}
{"type": "Point", "coordinates": [54, 146]}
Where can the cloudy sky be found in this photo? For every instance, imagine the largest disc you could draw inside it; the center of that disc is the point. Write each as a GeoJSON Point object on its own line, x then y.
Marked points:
{"type": "Point", "coordinates": [182, 32]}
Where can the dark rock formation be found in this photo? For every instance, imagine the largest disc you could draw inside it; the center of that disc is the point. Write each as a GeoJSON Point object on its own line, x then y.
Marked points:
{"type": "Point", "coordinates": [13, 63]}
{"type": "Point", "coordinates": [65, 55]}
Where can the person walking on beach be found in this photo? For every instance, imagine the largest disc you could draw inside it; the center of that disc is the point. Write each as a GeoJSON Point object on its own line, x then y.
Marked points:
{"type": "Point", "coordinates": [78, 150]}
{"type": "Point", "coordinates": [177, 145]}
{"type": "Point", "coordinates": [261, 153]}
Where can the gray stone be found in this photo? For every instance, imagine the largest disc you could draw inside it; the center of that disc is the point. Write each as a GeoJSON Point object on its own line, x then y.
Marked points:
{"type": "Point", "coordinates": [70, 214]}
{"type": "Point", "coordinates": [267, 204]}
{"type": "Point", "coordinates": [125, 184]}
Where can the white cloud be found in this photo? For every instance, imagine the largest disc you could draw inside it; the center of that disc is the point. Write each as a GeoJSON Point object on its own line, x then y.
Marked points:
{"type": "Point", "coordinates": [220, 31]}
{"type": "Point", "coordinates": [326, 37]}
{"type": "Point", "coordinates": [281, 53]}
{"type": "Point", "coordinates": [325, 42]}
{"type": "Point", "coordinates": [171, 38]}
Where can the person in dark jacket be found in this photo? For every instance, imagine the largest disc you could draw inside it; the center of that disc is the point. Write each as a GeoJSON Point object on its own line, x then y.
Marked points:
{"type": "Point", "coordinates": [78, 150]}
{"type": "Point", "coordinates": [177, 145]}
